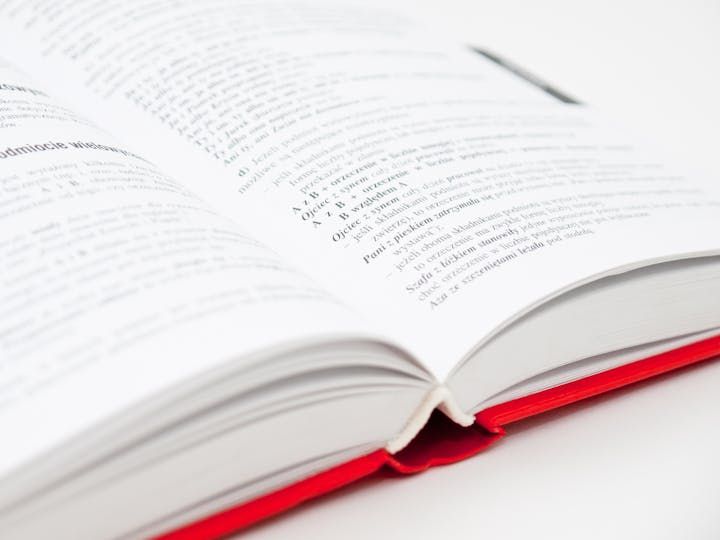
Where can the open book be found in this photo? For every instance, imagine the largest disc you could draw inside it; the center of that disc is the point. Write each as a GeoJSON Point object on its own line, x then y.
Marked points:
{"type": "Point", "coordinates": [249, 249]}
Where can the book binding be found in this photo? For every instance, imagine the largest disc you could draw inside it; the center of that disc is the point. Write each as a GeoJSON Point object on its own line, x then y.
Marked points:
{"type": "Point", "coordinates": [442, 441]}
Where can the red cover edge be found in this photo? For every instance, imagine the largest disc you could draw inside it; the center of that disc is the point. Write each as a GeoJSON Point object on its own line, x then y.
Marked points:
{"type": "Point", "coordinates": [246, 514]}
{"type": "Point", "coordinates": [441, 443]}
{"type": "Point", "coordinates": [517, 409]}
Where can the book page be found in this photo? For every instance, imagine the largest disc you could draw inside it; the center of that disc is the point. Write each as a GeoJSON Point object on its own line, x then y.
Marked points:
{"type": "Point", "coordinates": [423, 184]}
{"type": "Point", "coordinates": [117, 281]}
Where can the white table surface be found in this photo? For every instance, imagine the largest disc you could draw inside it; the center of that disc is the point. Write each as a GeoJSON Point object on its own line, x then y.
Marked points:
{"type": "Point", "coordinates": [642, 463]}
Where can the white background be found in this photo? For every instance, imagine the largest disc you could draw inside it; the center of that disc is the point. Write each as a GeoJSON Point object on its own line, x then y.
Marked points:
{"type": "Point", "coordinates": [640, 463]}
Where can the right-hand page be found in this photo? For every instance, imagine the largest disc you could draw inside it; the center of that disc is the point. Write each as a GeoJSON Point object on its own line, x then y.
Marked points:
{"type": "Point", "coordinates": [427, 186]}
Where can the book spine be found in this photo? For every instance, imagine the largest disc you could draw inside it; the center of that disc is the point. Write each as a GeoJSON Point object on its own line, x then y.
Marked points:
{"type": "Point", "coordinates": [439, 398]}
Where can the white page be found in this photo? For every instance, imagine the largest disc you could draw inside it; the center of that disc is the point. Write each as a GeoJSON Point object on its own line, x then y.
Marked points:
{"type": "Point", "coordinates": [427, 187]}
{"type": "Point", "coordinates": [116, 281]}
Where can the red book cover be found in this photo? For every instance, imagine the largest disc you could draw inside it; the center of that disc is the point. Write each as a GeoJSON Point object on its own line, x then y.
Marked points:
{"type": "Point", "coordinates": [443, 442]}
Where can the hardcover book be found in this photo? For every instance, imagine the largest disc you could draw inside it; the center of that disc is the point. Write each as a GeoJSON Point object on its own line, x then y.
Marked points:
{"type": "Point", "coordinates": [253, 251]}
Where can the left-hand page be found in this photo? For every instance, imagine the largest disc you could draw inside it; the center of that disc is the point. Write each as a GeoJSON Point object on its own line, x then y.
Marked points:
{"type": "Point", "coordinates": [116, 281]}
